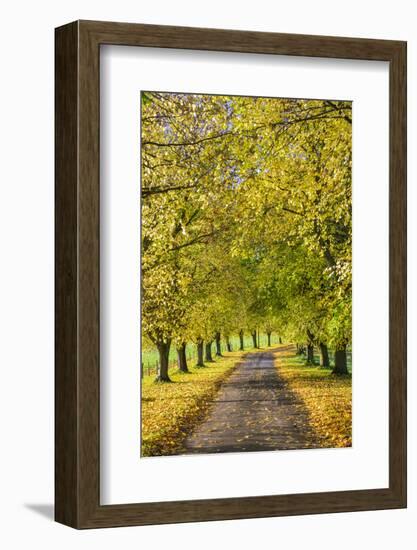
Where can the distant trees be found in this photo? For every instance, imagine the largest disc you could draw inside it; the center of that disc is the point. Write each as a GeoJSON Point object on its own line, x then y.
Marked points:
{"type": "Point", "coordinates": [246, 222]}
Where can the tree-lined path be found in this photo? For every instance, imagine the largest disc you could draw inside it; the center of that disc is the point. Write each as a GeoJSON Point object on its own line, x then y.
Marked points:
{"type": "Point", "coordinates": [246, 230]}
{"type": "Point", "coordinates": [246, 223]}
{"type": "Point", "coordinates": [254, 410]}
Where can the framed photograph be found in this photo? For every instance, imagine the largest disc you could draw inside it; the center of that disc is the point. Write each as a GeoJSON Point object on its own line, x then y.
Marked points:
{"type": "Point", "coordinates": [230, 274]}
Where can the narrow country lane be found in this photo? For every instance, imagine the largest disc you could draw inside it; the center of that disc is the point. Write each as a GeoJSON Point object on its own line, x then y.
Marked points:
{"type": "Point", "coordinates": [254, 410]}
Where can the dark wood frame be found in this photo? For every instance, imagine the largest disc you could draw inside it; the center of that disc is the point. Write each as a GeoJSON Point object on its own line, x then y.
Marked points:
{"type": "Point", "coordinates": [77, 274]}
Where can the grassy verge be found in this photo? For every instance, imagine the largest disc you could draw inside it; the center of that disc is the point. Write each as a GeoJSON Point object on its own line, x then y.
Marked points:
{"type": "Point", "coordinates": [150, 356]}
{"type": "Point", "coordinates": [327, 398]}
{"type": "Point", "coordinates": [171, 410]}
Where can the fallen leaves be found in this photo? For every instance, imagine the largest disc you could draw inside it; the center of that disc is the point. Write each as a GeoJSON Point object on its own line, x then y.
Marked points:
{"type": "Point", "coordinates": [171, 410]}
{"type": "Point", "coordinates": [327, 398]}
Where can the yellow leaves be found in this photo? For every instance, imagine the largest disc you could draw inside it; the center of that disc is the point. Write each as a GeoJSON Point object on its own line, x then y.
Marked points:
{"type": "Point", "coordinates": [170, 411]}
{"type": "Point", "coordinates": [327, 398]}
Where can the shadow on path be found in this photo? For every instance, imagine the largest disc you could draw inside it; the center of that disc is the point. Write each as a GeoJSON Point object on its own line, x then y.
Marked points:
{"type": "Point", "coordinates": [254, 410]}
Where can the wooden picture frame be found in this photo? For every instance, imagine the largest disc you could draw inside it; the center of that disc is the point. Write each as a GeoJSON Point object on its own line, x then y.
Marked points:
{"type": "Point", "coordinates": [77, 405]}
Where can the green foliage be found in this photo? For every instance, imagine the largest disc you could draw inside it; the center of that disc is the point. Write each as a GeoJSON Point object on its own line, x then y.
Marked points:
{"type": "Point", "coordinates": [246, 217]}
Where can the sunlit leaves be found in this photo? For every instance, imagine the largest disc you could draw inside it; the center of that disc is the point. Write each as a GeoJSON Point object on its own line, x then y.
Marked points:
{"type": "Point", "coordinates": [246, 215]}
{"type": "Point", "coordinates": [328, 399]}
{"type": "Point", "coordinates": [170, 411]}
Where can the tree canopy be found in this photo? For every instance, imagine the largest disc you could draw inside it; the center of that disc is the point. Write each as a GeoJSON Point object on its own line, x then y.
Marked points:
{"type": "Point", "coordinates": [246, 219]}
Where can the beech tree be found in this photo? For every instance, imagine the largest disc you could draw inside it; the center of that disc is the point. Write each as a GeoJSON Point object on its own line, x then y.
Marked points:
{"type": "Point", "coordinates": [246, 223]}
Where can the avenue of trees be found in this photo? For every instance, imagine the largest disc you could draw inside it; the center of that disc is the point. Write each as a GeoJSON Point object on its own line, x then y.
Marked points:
{"type": "Point", "coordinates": [246, 223]}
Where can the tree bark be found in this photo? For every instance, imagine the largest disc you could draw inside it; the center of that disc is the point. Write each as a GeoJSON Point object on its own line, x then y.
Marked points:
{"type": "Point", "coordinates": [163, 350]}
{"type": "Point", "coordinates": [340, 360]}
{"type": "Point", "coordinates": [324, 356]}
{"type": "Point", "coordinates": [242, 347]}
{"type": "Point", "coordinates": [269, 339]}
{"type": "Point", "coordinates": [182, 358]}
{"type": "Point", "coordinates": [209, 357]}
{"type": "Point", "coordinates": [200, 353]}
{"type": "Point", "coordinates": [310, 348]}
{"type": "Point", "coordinates": [310, 354]}
{"type": "Point", "coordinates": [254, 338]}
{"type": "Point", "coordinates": [228, 344]}
{"type": "Point", "coordinates": [301, 349]}
{"type": "Point", "coordinates": [218, 345]}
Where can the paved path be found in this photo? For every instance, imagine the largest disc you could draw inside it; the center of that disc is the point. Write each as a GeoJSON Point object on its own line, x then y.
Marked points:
{"type": "Point", "coordinates": [254, 410]}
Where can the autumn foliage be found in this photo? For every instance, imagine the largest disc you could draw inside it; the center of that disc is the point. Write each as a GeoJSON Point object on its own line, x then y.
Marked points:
{"type": "Point", "coordinates": [246, 227]}
{"type": "Point", "coordinates": [170, 411]}
{"type": "Point", "coordinates": [327, 398]}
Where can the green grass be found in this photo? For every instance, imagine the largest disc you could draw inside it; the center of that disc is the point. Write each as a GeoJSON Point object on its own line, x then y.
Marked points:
{"type": "Point", "coordinates": [171, 410]}
{"type": "Point", "coordinates": [331, 359]}
{"type": "Point", "coordinates": [150, 357]}
{"type": "Point", "coordinates": [327, 398]}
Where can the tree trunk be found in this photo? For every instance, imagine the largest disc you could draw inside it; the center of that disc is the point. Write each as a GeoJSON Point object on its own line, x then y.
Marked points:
{"type": "Point", "coordinates": [200, 353]}
{"type": "Point", "coordinates": [340, 361]}
{"type": "Point", "coordinates": [259, 339]}
{"type": "Point", "coordinates": [163, 350]}
{"type": "Point", "coordinates": [269, 339]}
{"type": "Point", "coordinates": [310, 354]}
{"type": "Point", "coordinates": [280, 340]}
{"type": "Point", "coordinates": [310, 347]}
{"type": "Point", "coordinates": [228, 344]}
{"type": "Point", "coordinates": [254, 338]}
{"type": "Point", "coordinates": [182, 358]}
{"type": "Point", "coordinates": [218, 345]}
{"type": "Point", "coordinates": [324, 356]}
{"type": "Point", "coordinates": [242, 347]}
{"type": "Point", "coordinates": [209, 357]}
